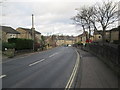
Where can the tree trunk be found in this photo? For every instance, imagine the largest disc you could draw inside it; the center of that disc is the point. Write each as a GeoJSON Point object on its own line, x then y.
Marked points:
{"type": "Point", "coordinates": [85, 32]}
{"type": "Point", "coordinates": [104, 35]}
{"type": "Point", "coordinates": [119, 33]}
{"type": "Point", "coordinates": [89, 32]}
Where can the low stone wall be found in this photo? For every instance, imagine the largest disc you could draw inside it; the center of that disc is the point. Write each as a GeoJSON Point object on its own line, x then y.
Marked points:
{"type": "Point", "coordinates": [108, 53]}
{"type": "Point", "coordinates": [19, 52]}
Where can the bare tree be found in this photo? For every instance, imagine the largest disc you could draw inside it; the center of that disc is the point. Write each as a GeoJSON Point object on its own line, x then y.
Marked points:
{"type": "Point", "coordinates": [106, 14]}
{"type": "Point", "coordinates": [86, 14]}
{"type": "Point", "coordinates": [78, 20]}
{"type": "Point", "coordinates": [85, 19]}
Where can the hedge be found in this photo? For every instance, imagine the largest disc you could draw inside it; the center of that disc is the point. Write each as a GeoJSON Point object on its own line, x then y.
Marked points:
{"type": "Point", "coordinates": [7, 45]}
{"type": "Point", "coordinates": [21, 44]}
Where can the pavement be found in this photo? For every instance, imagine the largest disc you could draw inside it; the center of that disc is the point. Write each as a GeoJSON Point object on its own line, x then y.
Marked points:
{"type": "Point", "coordinates": [93, 73]}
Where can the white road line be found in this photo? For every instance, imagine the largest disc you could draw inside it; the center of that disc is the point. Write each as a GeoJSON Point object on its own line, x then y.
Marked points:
{"type": "Point", "coordinates": [53, 55]}
{"type": "Point", "coordinates": [70, 81]}
{"type": "Point", "coordinates": [2, 76]}
{"type": "Point", "coordinates": [36, 62]}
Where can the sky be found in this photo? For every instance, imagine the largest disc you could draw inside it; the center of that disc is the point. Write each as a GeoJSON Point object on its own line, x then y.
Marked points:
{"type": "Point", "coordinates": [50, 16]}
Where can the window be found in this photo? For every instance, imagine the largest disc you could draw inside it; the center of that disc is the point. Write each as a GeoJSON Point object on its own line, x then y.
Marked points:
{"type": "Point", "coordinates": [81, 38]}
{"type": "Point", "coordinates": [99, 36]}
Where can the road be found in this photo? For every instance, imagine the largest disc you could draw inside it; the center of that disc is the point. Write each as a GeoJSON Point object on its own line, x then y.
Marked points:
{"type": "Point", "coordinates": [47, 69]}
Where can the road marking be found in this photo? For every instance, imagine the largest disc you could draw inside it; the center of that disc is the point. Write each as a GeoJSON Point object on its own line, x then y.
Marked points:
{"type": "Point", "coordinates": [22, 57]}
{"type": "Point", "coordinates": [53, 55]}
{"type": "Point", "coordinates": [36, 62]}
{"type": "Point", "coordinates": [2, 76]}
{"type": "Point", "coordinates": [70, 81]}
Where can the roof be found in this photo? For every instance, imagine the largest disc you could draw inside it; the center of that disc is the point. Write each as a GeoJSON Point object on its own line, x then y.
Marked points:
{"type": "Point", "coordinates": [29, 30]}
{"type": "Point", "coordinates": [9, 30]}
{"type": "Point", "coordinates": [100, 31]}
{"type": "Point", "coordinates": [37, 32]}
{"type": "Point", "coordinates": [26, 29]}
{"type": "Point", "coordinates": [114, 29]}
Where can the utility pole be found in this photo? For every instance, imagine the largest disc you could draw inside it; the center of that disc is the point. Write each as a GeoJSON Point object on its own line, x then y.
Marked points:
{"type": "Point", "coordinates": [33, 31]}
{"type": "Point", "coordinates": [119, 32]}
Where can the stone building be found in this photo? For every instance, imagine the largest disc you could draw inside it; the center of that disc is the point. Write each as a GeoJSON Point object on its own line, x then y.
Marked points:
{"type": "Point", "coordinates": [82, 37]}
{"type": "Point", "coordinates": [111, 35]}
{"type": "Point", "coordinates": [26, 33]}
{"type": "Point", "coordinates": [8, 32]}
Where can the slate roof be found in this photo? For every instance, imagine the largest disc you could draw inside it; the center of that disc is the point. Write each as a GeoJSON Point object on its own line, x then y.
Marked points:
{"type": "Point", "coordinates": [9, 30]}
{"type": "Point", "coordinates": [29, 30]}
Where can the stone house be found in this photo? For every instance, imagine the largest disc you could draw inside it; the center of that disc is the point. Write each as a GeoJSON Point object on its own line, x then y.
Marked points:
{"type": "Point", "coordinates": [82, 37]}
{"type": "Point", "coordinates": [26, 33]}
{"type": "Point", "coordinates": [56, 40]}
{"type": "Point", "coordinates": [111, 35]}
{"type": "Point", "coordinates": [8, 32]}
{"type": "Point", "coordinates": [50, 41]}
{"type": "Point", "coordinates": [97, 36]}
{"type": "Point", "coordinates": [65, 40]}
{"type": "Point", "coordinates": [114, 34]}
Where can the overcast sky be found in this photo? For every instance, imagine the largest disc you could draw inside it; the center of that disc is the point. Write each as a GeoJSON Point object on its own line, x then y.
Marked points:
{"type": "Point", "coordinates": [50, 16]}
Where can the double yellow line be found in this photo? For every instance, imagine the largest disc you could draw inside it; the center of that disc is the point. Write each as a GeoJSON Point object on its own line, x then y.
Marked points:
{"type": "Point", "coordinates": [72, 77]}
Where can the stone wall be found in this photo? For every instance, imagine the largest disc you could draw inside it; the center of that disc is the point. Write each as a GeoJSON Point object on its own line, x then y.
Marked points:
{"type": "Point", "coordinates": [108, 53]}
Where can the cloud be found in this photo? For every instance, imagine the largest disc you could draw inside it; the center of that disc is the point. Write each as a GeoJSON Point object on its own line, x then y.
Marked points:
{"type": "Point", "coordinates": [58, 28]}
{"type": "Point", "coordinates": [50, 17]}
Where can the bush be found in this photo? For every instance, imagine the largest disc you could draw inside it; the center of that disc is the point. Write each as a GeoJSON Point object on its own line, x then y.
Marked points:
{"type": "Point", "coordinates": [7, 45]}
{"type": "Point", "coordinates": [21, 44]}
